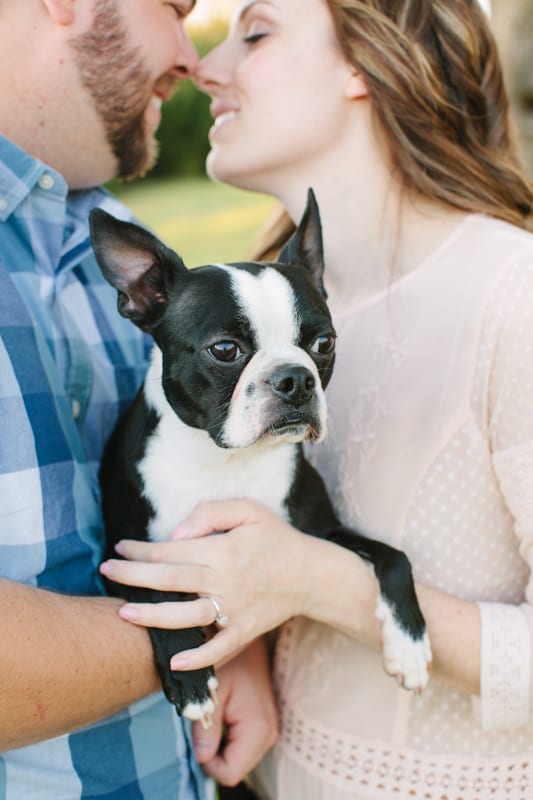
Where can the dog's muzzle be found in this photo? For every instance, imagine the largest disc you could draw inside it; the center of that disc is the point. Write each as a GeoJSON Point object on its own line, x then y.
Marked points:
{"type": "Point", "coordinates": [279, 397]}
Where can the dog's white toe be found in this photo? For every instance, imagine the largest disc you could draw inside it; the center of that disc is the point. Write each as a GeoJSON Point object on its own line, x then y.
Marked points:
{"type": "Point", "coordinates": [405, 658]}
{"type": "Point", "coordinates": [203, 711]}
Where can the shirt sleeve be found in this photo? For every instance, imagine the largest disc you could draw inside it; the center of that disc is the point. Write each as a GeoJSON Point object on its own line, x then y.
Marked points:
{"type": "Point", "coordinates": [507, 630]}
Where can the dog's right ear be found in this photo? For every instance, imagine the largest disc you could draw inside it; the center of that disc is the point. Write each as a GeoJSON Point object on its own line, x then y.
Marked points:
{"type": "Point", "coordinates": [137, 264]}
{"type": "Point", "coordinates": [305, 246]}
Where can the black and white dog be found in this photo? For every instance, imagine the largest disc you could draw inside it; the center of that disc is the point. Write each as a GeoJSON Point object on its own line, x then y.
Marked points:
{"type": "Point", "coordinates": [242, 355]}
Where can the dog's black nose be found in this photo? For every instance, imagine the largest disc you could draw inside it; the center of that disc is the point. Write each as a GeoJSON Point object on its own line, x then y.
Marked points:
{"type": "Point", "coordinates": [294, 384]}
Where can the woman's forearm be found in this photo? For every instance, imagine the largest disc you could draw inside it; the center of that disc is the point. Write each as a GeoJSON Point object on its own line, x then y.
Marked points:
{"type": "Point", "coordinates": [263, 571]}
{"type": "Point", "coordinates": [453, 625]}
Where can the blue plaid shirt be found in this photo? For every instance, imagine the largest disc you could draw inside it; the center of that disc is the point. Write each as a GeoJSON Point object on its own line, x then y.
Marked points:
{"type": "Point", "coordinates": [69, 365]}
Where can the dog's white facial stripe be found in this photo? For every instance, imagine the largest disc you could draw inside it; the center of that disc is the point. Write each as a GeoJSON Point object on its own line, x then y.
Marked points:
{"type": "Point", "coordinates": [268, 302]}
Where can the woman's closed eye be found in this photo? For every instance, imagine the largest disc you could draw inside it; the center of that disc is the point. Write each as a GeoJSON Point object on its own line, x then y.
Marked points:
{"type": "Point", "coordinates": [255, 30]}
{"type": "Point", "coordinates": [253, 38]}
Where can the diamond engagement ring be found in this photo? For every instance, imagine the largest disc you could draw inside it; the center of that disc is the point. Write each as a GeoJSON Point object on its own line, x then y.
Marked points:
{"type": "Point", "coordinates": [220, 619]}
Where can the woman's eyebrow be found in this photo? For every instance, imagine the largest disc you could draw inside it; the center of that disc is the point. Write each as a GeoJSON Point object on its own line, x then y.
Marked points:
{"type": "Point", "coordinates": [247, 7]}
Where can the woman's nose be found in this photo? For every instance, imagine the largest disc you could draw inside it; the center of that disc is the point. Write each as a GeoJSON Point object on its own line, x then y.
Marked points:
{"type": "Point", "coordinates": [209, 72]}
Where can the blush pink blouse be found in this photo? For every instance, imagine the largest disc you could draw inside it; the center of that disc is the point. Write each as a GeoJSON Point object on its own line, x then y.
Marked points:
{"type": "Point", "coordinates": [430, 448]}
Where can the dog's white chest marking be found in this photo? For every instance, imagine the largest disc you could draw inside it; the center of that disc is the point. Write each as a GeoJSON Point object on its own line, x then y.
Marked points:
{"type": "Point", "coordinates": [182, 466]}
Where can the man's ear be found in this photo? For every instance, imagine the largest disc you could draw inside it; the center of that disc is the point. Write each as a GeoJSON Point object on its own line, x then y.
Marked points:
{"type": "Point", "coordinates": [61, 11]}
{"type": "Point", "coordinates": [355, 87]}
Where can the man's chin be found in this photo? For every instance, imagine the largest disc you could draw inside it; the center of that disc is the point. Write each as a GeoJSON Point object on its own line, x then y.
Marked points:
{"type": "Point", "coordinates": [137, 167]}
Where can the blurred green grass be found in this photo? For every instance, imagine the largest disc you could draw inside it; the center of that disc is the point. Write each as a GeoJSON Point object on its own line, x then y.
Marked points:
{"type": "Point", "coordinates": [203, 221]}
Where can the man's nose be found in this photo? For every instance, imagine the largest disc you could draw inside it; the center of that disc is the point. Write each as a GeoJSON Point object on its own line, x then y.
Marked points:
{"type": "Point", "coordinates": [187, 60]}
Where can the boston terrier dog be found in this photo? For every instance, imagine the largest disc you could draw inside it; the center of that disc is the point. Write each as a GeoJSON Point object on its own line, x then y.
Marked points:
{"type": "Point", "coordinates": [242, 355]}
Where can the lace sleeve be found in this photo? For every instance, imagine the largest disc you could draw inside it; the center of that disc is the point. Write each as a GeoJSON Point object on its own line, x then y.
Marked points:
{"type": "Point", "coordinates": [507, 631]}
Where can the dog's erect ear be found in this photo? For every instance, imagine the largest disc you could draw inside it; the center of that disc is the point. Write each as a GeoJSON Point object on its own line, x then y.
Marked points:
{"type": "Point", "coordinates": [305, 245]}
{"type": "Point", "coordinates": [137, 264]}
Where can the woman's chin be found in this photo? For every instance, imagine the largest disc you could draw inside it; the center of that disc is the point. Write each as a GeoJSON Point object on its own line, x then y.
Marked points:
{"type": "Point", "coordinates": [221, 172]}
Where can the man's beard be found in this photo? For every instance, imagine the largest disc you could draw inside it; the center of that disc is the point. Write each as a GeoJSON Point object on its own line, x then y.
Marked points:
{"type": "Point", "coordinates": [120, 86]}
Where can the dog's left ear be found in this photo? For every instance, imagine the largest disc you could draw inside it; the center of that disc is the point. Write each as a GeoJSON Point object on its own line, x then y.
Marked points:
{"type": "Point", "coordinates": [140, 267]}
{"type": "Point", "coordinates": [305, 245]}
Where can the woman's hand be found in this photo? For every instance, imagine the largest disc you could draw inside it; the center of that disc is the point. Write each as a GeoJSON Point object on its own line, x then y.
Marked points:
{"type": "Point", "coordinates": [260, 573]}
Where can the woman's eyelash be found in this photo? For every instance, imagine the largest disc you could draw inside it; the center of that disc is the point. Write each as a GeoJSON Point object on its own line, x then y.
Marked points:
{"type": "Point", "coordinates": [180, 13]}
{"type": "Point", "coordinates": [254, 37]}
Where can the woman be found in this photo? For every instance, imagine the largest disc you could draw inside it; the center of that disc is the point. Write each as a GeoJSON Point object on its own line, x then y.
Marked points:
{"type": "Point", "coordinates": [396, 115]}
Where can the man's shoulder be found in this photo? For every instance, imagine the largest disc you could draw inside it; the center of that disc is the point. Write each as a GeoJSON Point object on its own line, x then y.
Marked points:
{"type": "Point", "coordinates": [81, 203]}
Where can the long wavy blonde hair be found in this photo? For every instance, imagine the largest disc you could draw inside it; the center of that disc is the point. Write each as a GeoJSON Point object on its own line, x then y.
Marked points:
{"type": "Point", "coordinates": [433, 74]}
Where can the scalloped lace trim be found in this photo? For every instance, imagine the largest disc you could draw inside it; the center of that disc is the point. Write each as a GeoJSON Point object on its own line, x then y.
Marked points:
{"type": "Point", "coordinates": [382, 771]}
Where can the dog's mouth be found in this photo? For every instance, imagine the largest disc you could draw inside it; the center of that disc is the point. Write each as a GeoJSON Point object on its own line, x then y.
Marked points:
{"type": "Point", "coordinates": [294, 429]}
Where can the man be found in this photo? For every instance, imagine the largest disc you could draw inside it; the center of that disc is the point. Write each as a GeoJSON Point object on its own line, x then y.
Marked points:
{"type": "Point", "coordinates": [81, 713]}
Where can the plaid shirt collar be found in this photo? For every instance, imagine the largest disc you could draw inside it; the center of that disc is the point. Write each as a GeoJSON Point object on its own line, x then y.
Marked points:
{"type": "Point", "coordinates": [19, 174]}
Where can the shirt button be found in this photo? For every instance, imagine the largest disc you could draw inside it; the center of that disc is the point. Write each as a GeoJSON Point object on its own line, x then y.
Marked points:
{"type": "Point", "coordinates": [46, 181]}
{"type": "Point", "coordinates": [76, 408]}
{"type": "Point", "coordinates": [3, 204]}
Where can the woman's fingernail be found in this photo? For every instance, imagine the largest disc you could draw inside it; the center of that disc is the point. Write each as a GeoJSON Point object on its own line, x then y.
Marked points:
{"type": "Point", "coordinates": [182, 531]}
{"type": "Point", "coordinates": [107, 568]}
{"type": "Point", "coordinates": [130, 613]}
{"type": "Point", "coordinates": [119, 548]}
{"type": "Point", "coordinates": [179, 662]}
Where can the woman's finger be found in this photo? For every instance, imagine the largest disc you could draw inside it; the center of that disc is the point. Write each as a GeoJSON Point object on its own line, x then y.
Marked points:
{"type": "Point", "coordinates": [217, 516]}
{"type": "Point", "coordinates": [224, 644]}
{"type": "Point", "coordinates": [158, 552]}
{"type": "Point", "coordinates": [161, 576]}
{"type": "Point", "coordinates": [186, 614]}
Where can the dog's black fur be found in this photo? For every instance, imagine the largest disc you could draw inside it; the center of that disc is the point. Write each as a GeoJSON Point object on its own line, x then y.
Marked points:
{"type": "Point", "coordinates": [151, 281]}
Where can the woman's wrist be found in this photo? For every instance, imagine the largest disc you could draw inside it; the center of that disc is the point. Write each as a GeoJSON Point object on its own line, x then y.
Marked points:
{"type": "Point", "coordinates": [339, 589]}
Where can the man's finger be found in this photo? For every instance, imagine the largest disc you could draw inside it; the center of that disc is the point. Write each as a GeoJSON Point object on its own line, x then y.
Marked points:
{"type": "Point", "coordinates": [207, 741]}
{"type": "Point", "coordinates": [243, 749]}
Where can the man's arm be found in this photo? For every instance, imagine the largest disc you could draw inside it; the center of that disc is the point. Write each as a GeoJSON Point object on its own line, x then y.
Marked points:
{"type": "Point", "coordinates": [65, 662]}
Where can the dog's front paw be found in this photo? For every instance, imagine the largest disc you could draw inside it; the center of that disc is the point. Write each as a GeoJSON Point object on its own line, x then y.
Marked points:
{"type": "Point", "coordinates": [193, 693]}
{"type": "Point", "coordinates": [405, 657]}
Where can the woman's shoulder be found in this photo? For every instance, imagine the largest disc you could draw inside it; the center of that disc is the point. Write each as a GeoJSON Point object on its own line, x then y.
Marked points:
{"type": "Point", "coordinates": [495, 236]}
{"type": "Point", "coordinates": [508, 317]}
{"type": "Point", "coordinates": [491, 254]}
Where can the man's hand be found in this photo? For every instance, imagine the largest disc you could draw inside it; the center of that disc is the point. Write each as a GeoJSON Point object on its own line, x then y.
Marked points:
{"type": "Point", "coordinates": [245, 723]}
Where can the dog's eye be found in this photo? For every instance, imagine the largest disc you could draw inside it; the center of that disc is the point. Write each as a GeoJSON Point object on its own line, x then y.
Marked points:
{"type": "Point", "coordinates": [225, 351]}
{"type": "Point", "coordinates": [324, 345]}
